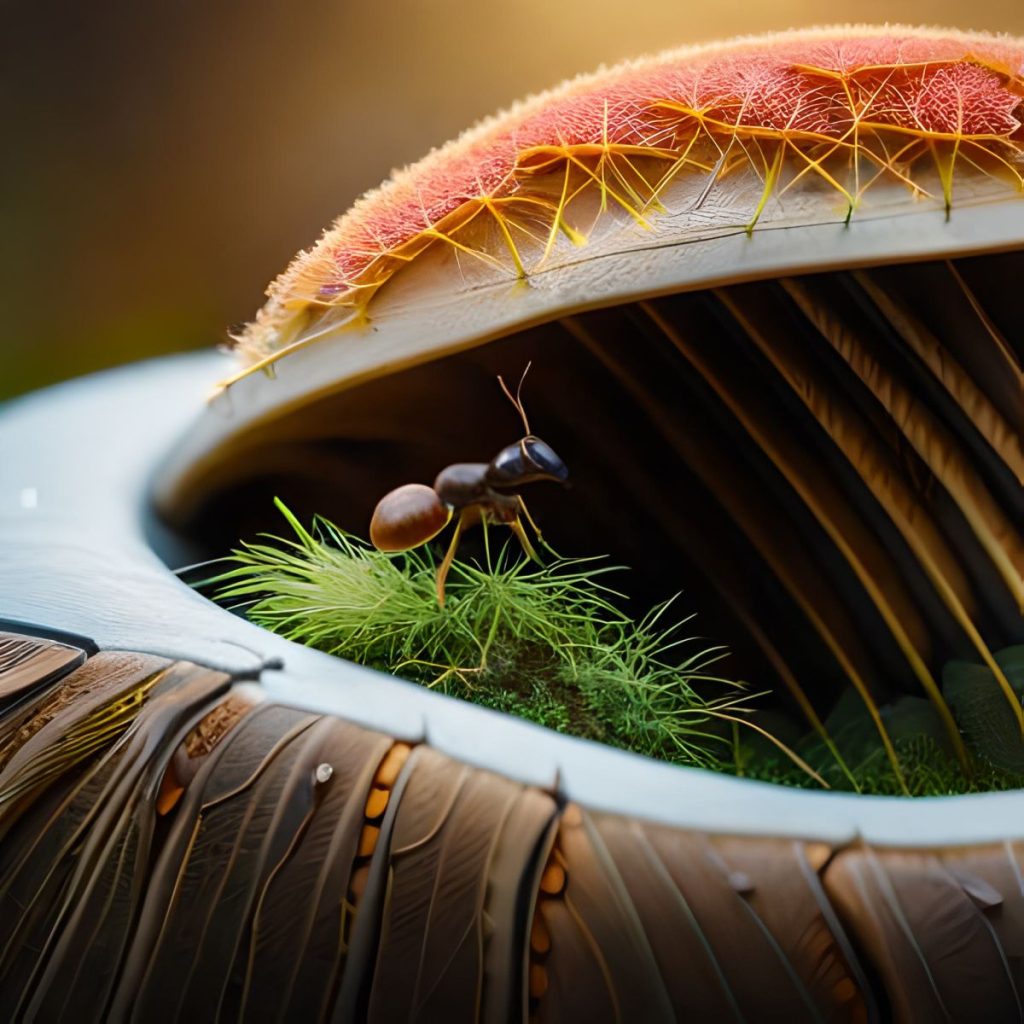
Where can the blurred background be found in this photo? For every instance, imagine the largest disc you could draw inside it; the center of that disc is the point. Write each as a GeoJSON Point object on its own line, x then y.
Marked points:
{"type": "Point", "coordinates": [163, 161]}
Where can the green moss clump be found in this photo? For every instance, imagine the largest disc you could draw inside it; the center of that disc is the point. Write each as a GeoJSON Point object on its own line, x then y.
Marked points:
{"type": "Point", "coordinates": [928, 769]}
{"type": "Point", "coordinates": [545, 642]}
{"type": "Point", "coordinates": [550, 644]}
{"type": "Point", "coordinates": [926, 758]}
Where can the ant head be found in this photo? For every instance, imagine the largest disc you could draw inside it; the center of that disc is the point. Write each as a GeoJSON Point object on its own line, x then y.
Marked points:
{"type": "Point", "coordinates": [528, 459]}
{"type": "Point", "coordinates": [525, 461]}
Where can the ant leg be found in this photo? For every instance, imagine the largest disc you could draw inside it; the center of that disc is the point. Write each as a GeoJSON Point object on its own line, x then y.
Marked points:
{"type": "Point", "coordinates": [517, 528]}
{"type": "Point", "coordinates": [529, 518]}
{"type": "Point", "coordinates": [536, 528]}
{"type": "Point", "coordinates": [442, 572]}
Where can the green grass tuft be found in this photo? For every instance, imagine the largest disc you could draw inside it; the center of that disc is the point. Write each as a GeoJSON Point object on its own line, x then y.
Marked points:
{"type": "Point", "coordinates": [550, 644]}
{"type": "Point", "coordinates": [546, 642]}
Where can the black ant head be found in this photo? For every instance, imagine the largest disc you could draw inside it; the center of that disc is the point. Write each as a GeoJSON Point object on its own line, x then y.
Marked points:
{"type": "Point", "coordinates": [525, 461]}
{"type": "Point", "coordinates": [530, 458]}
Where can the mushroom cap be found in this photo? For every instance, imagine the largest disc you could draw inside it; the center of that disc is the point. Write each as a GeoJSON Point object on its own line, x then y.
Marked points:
{"type": "Point", "coordinates": [801, 126]}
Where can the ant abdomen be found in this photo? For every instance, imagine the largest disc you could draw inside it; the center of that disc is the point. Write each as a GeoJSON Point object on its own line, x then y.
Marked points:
{"type": "Point", "coordinates": [407, 517]}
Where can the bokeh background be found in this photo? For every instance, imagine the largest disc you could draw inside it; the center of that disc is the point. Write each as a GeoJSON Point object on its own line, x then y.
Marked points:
{"type": "Point", "coordinates": [162, 161]}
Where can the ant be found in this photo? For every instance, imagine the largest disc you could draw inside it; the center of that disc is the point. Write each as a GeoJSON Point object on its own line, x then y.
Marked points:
{"type": "Point", "coordinates": [414, 514]}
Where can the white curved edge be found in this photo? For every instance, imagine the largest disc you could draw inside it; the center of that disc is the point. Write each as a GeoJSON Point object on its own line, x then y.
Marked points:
{"type": "Point", "coordinates": [417, 321]}
{"type": "Point", "coordinates": [74, 485]}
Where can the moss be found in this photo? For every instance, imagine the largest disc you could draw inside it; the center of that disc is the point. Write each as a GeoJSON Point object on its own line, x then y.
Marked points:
{"type": "Point", "coordinates": [551, 644]}
{"type": "Point", "coordinates": [927, 769]}
{"type": "Point", "coordinates": [927, 760]}
{"type": "Point", "coordinates": [548, 642]}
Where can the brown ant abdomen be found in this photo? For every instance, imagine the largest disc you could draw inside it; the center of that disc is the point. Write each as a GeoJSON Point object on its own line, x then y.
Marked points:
{"type": "Point", "coordinates": [407, 517]}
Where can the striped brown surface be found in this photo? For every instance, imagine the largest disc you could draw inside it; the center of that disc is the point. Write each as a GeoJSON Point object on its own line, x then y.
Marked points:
{"type": "Point", "coordinates": [657, 924]}
{"type": "Point", "coordinates": [173, 846]}
{"type": "Point", "coordinates": [460, 853]}
{"type": "Point", "coordinates": [28, 662]}
{"type": "Point", "coordinates": [944, 928]}
{"type": "Point", "coordinates": [851, 441]}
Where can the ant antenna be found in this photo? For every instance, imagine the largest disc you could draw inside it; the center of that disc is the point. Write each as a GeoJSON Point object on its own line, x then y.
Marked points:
{"type": "Point", "coordinates": [517, 401]}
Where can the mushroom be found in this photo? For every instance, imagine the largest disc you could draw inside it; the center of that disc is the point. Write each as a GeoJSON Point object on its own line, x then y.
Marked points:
{"type": "Point", "coordinates": [769, 293]}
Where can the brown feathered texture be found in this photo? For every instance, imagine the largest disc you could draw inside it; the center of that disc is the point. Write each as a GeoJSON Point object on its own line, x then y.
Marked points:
{"type": "Point", "coordinates": [656, 924]}
{"type": "Point", "coordinates": [61, 727]}
{"type": "Point", "coordinates": [770, 324]}
{"type": "Point", "coordinates": [76, 845]}
{"type": "Point", "coordinates": [30, 662]}
{"type": "Point", "coordinates": [769, 517]}
{"type": "Point", "coordinates": [482, 899]}
{"type": "Point", "coordinates": [975, 404]}
{"type": "Point", "coordinates": [99, 906]}
{"type": "Point", "coordinates": [237, 821]}
{"type": "Point", "coordinates": [602, 964]}
{"type": "Point", "coordinates": [856, 336]}
{"type": "Point", "coordinates": [460, 849]}
{"type": "Point", "coordinates": [850, 536]}
{"type": "Point", "coordinates": [296, 949]}
{"type": "Point", "coordinates": [943, 927]}
{"type": "Point", "coordinates": [843, 466]}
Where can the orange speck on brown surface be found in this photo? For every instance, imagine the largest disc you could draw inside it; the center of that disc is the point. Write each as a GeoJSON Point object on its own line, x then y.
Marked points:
{"type": "Point", "coordinates": [368, 840]}
{"type": "Point", "coordinates": [540, 938]}
{"type": "Point", "coordinates": [170, 793]}
{"type": "Point", "coordinates": [357, 883]}
{"type": "Point", "coordinates": [538, 981]}
{"type": "Point", "coordinates": [553, 880]}
{"type": "Point", "coordinates": [376, 802]}
{"type": "Point", "coordinates": [391, 765]}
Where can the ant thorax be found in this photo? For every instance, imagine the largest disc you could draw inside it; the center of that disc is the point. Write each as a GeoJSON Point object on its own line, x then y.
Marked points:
{"type": "Point", "coordinates": [462, 484]}
{"type": "Point", "coordinates": [465, 484]}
